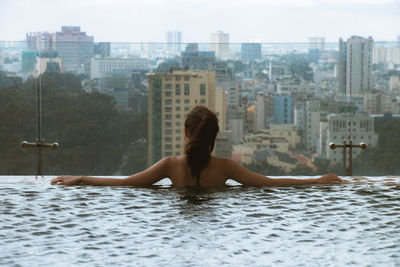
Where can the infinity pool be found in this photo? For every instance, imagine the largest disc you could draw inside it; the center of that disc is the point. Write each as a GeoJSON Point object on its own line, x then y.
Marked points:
{"type": "Point", "coordinates": [357, 223]}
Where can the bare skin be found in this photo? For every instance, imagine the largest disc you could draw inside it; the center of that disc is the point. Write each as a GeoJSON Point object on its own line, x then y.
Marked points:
{"type": "Point", "coordinates": [177, 170]}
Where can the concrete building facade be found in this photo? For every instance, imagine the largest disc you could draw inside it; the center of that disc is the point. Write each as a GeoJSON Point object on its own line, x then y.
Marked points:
{"type": "Point", "coordinates": [363, 130]}
{"type": "Point", "coordinates": [100, 67]}
{"type": "Point", "coordinates": [283, 109]}
{"type": "Point", "coordinates": [75, 48]}
{"type": "Point", "coordinates": [171, 97]}
{"type": "Point", "coordinates": [359, 65]}
{"type": "Point", "coordinates": [219, 43]}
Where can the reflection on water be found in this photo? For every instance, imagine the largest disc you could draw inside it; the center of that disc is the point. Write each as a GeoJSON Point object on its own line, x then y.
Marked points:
{"type": "Point", "coordinates": [355, 223]}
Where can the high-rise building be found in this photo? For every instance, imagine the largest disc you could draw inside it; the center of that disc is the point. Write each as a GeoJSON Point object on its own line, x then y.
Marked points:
{"type": "Point", "coordinates": [75, 48]}
{"type": "Point", "coordinates": [316, 43]}
{"type": "Point", "coordinates": [359, 65]}
{"type": "Point", "coordinates": [173, 40]}
{"type": "Point", "coordinates": [40, 41]}
{"type": "Point", "coordinates": [251, 51]}
{"type": "Point", "coordinates": [219, 43]}
{"type": "Point", "coordinates": [341, 66]}
{"type": "Point", "coordinates": [171, 97]}
{"type": "Point", "coordinates": [283, 109]}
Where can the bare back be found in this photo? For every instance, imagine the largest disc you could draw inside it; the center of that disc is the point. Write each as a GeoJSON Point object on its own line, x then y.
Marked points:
{"type": "Point", "coordinates": [213, 175]}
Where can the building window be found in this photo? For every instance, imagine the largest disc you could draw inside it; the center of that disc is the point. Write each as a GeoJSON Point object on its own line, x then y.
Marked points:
{"type": "Point", "coordinates": [168, 124]}
{"type": "Point", "coordinates": [186, 78]}
{"type": "Point", "coordinates": [202, 89]}
{"type": "Point", "coordinates": [177, 89]}
{"type": "Point", "coordinates": [186, 109]}
{"type": "Point", "coordinates": [178, 138]}
{"type": "Point", "coordinates": [167, 154]}
{"type": "Point", "coordinates": [168, 117]}
{"type": "Point", "coordinates": [168, 146]}
{"type": "Point", "coordinates": [168, 102]}
{"type": "Point", "coordinates": [168, 86]}
{"type": "Point", "coordinates": [168, 139]}
{"type": "Point", "coordinates": [178, 116]}
{"type": "Point", "coordinates": [168, 93]}
{"type": "Point", "coordinates": [178, 131]}
{"type": "Point", "coordinates": [177, 108]}
{"type": "Point", "coordinates": [186, 88]}
{"type": "Point", "coordinates": [177, 101]}
{"type": "Point", "coordinates": [168, 131]}
{"type": "Point", "coordinates": [178, 146]}
{"type": "Point", "coordinates": [177, 78]}
{"type": "Point", "coordinates": [186, 101]}
{"type": "Point", "coordinates": [202, 101]}
{"type": "Point", "coordinates": [178, 123]}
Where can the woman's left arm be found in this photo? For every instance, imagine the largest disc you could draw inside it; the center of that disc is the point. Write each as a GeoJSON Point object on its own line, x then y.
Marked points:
{"type": "Point", "coordinates": [155, 173]}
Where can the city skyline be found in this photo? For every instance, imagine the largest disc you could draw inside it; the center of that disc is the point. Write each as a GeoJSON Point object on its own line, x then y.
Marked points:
{"type": "Point", "coordinates": [134, 21]}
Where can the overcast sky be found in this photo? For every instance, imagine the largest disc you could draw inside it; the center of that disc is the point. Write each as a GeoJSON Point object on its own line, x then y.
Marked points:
{"type": "Point", "coordinates": [244, 20]}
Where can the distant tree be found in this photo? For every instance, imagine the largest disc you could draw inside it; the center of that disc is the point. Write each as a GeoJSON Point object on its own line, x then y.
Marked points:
{"type": "Point", "coordinates": [265, 169]}
{"type": "Point", "coordinates": [94, 136]}
{"type": "Point", "coordinates": [168, 65]}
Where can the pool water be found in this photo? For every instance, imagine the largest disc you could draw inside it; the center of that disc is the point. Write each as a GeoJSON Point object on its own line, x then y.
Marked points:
{"type": "Point", "coordinates": [357, 223]}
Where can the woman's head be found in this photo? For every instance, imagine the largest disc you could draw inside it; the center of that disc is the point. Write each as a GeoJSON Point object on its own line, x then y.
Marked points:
{"type": "Point", "coordinates": [201, 127]}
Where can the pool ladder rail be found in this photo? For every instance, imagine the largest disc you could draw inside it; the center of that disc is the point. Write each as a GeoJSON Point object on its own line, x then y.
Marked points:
{"type": "Point", "coordinates": [348, 169]}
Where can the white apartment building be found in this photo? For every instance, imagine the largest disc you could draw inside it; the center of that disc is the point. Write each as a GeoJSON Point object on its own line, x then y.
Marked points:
{"type": "Point", "coordinates": [219, 43]}
{"type": "Point", "coordinates": [313, 118]}
{"type": "Point", "coordinates": [359, 65]}
{"type": "Point", "coordinates": [386, 55]}
{"type": "Point", "coordinates": [378, 103]}
{"type": "Point", "coordinates": [100, 67]}
{"type": "Point", "coordinates": [362, 130]}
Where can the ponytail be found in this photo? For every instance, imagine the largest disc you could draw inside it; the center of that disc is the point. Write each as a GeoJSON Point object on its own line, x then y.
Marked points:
{"type": "Point", "coordinates": [202, 125]}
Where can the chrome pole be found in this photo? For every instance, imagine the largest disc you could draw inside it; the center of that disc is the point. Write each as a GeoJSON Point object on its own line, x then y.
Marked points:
{"type": "Point", "coordinates": [39, 144]}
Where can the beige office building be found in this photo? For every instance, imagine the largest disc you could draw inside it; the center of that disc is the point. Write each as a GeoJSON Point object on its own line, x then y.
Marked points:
{"type": "Point", "coordinates": [171, 97]}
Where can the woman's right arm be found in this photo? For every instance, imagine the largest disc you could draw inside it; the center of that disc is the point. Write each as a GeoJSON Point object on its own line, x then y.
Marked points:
{"type": "Point", "coordinates": [237, 172]}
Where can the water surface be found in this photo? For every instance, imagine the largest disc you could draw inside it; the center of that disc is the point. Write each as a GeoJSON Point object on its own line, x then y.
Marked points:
{"type": "Point", "coordinates": [314, 225]}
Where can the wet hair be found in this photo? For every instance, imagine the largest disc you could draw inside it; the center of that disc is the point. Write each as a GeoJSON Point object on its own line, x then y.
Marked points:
{"type": "Point", "coordinates": [202, 126]}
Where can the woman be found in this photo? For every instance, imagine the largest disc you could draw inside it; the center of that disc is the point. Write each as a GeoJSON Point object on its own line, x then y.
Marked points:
{"type": "Point", "coordinates": [196, 166]}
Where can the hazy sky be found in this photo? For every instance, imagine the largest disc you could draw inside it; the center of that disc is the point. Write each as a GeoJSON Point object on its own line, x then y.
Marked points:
{"type": "Point", "coordinates": [148, 20]}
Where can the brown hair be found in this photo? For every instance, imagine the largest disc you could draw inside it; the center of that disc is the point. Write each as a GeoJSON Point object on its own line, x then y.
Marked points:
{"type": "Point", "coordinates": [202, 126]}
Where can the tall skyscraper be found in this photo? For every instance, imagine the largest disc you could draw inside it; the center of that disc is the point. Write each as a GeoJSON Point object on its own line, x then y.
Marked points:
{"type": "Point", "coordinates": [75, 48]}
{"type": "Point", "coordinates": [359, 65]}
{"type": "Point", "coordinates": [341, 66]}
{"type": "Point", "coordinates": [40, 41]}
{"type": "Point", "coordinates": [219, 43]}
{"type": "Point", "coordinates": [171, 97]}
{"type": "Point", "coordinates": [173, 41]}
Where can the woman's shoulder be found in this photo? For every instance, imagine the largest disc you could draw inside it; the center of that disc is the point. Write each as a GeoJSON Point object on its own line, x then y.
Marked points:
{"type": "Point", "coordinates": [222, 161]}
